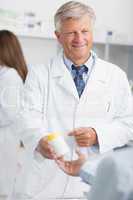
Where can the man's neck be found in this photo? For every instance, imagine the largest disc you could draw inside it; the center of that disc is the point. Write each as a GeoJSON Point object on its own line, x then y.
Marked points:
{"type": "Point", "coordinates": [81, 61]}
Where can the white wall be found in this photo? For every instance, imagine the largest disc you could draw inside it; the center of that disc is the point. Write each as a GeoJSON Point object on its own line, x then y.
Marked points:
{"type": "Point", "coordinates": [112, 15]}
{"type": "Point", "coordinates": [39, 50]}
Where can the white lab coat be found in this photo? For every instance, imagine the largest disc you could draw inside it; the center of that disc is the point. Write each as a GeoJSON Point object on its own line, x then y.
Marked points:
{"type": "Point", "coordinates": [54, 105]}
{"type": "Point", "coordinates": [10, 84]}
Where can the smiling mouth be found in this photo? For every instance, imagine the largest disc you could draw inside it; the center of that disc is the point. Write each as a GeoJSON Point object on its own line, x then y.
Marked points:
{"type": "Point", "coordinates": [78, 46]}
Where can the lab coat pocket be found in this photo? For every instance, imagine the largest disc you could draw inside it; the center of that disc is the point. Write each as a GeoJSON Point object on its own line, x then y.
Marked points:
{"type": "Point", "coordinates": [98, 101]}
{"type": "Point", "coordinates": [98, 109]}
{"type": "Point", "coordinates": [98, 104]}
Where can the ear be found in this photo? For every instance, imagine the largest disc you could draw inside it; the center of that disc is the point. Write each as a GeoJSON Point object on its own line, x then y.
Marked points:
{"type": "Point", "coordinates": [58, 36]}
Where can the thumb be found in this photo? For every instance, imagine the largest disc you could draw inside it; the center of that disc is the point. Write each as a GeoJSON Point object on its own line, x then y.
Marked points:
{"type": "Point", "coordinates": [78, 152]}
{"type": "Point", "coordinates": [71, 133]}
{"type": "Point", "coordinates": [81, 155]}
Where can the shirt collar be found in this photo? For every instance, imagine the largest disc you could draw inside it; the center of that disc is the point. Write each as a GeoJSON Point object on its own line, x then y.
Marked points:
{"type": "Point", "coordinates": [88, 63]}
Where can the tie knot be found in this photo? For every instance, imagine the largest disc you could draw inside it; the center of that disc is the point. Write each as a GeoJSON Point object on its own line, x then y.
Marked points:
{"type": "Point", "coordinates": [78, 77]}
{"type": "Point", "coordinates": [80, 69]}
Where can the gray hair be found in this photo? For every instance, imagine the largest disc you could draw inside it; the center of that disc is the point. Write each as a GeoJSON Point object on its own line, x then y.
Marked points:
{"type": "Point", "coordinates": [74, 10]}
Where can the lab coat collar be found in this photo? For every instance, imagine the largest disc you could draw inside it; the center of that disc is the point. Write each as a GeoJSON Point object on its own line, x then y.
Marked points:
{"type": "Point", "coordinates": [69, 63]}
{"type": "Point", "coordinates": [59, 68]}
{"type": "Point", "coordinates": [60, 72]}
{"type": "Point", "coordinates": [100, 71]}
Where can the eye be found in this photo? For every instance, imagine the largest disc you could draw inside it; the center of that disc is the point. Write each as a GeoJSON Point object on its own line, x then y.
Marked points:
{"type": "Point", "coordinates": [85, 31]}
{"type": "Point", "coordinates": [69, 34]}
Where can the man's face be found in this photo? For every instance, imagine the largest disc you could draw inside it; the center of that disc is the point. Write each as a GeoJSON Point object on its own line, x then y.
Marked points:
{"type": "Point", "coordinates": [76, 38]}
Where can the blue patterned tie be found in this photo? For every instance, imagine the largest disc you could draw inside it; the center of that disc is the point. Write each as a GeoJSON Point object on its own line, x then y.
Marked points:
{"type": "Point", "coordinates": [78, 72]}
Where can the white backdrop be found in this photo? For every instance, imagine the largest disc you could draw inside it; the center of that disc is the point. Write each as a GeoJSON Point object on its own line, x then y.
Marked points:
{"type": "Point", "coordinates": [114, 15]}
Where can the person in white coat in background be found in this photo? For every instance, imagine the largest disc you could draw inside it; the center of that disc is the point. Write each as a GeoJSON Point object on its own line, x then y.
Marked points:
{"type": "Point", "coordinates": [13, 71]}
{"type": "Point", "coordinates": [78, 94]}
{"type": "Point", "coordinates": [110, 177]}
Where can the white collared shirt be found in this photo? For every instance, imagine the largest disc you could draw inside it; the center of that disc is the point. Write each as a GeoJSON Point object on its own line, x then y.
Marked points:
{"type": "Point", "coordinates": [89, 64]}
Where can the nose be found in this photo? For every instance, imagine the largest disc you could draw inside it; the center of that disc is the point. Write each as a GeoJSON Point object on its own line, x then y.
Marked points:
{"type": "Point", "coordinates": [78, 37]}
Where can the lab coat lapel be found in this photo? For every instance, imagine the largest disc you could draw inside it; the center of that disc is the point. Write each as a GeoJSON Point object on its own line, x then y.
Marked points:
{"type": "Point", "coordinates": [63, 76]}
{"type": "Point", "coordinates": [99, 74]}
{"type": "Point", "coordinates": [98, 79]}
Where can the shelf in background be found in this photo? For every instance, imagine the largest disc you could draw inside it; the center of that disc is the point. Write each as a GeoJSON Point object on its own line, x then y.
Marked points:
{"type": "Point", "coordinates": [49, 34]}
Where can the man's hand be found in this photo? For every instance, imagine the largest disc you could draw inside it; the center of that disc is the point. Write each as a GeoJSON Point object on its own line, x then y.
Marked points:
{"type": "Point", "coordinates": [85, 137]}
{"type": "Point", "coordinates": [45, 149]}
{"type": "Point", "coordinates": [72, 167]}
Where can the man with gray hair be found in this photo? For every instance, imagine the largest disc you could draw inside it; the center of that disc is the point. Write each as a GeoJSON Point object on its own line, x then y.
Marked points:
{"type": "Point", "coordinates": [77, 94]}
